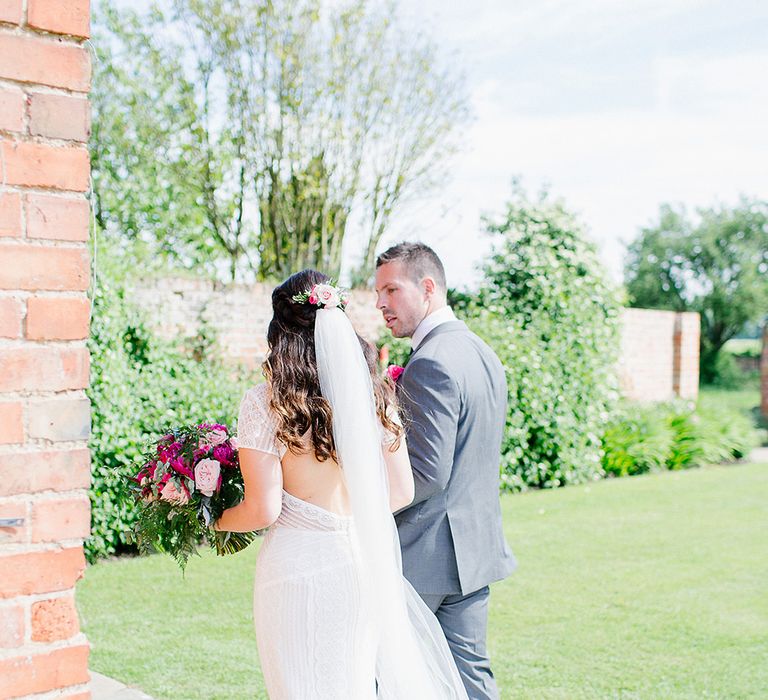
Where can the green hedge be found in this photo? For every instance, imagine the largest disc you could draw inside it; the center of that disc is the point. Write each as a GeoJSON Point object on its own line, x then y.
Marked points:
{"type": "Point", "coordinates": [547, 308]}
{"type": "Point", "coordinates": [140, 386]}
{"type": "Point", "coordinates": [646, 438]}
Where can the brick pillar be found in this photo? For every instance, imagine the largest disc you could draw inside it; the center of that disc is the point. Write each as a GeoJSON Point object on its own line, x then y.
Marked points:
{"type": "Point", "coordinates": [764, 373]}
{"type": "Point", "coordinates": [685, 355]}
{"type": "Point", "coordinates": [44, 363]}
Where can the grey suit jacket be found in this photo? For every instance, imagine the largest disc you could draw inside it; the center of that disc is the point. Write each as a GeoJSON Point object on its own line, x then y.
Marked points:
{"type": "Point", "coordinates": [454, 396]}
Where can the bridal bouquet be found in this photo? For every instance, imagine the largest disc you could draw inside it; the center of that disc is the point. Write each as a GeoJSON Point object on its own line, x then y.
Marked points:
{"type": "Point", "coordinates": [187, 479]}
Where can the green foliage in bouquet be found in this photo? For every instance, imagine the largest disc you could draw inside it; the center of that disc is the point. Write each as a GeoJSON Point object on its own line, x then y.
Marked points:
{"type": "Point", "coordinates": [186, 481]}
{"type": "Point", "coordinates": [139, 385]}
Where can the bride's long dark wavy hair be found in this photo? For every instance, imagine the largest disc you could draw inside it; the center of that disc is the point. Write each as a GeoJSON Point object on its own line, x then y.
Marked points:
{"type": "Point", "coordinates": [291, 369]}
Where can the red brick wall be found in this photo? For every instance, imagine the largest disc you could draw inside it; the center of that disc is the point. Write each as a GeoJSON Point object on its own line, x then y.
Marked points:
{"type": "Point", "coordinates": [659, 349]}
{"type": "Point", "coordinates": [685, 366]}
{"type": "Point", "coordinates": [659, 357]}
{"type": "Point", "coordinates": [44, 316]}
{"type": "Point", "coordinates": [239, 313]}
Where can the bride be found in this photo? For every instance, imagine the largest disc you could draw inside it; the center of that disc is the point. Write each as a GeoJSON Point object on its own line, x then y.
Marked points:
{"type": "Point", "coordinates": [325, 464]}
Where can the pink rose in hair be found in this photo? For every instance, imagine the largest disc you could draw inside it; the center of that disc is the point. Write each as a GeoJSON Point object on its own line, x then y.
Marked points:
{"type": "Point", "coordinates": [207, 476]}
{"type": "Point", "coordinates": [171, 494]}
{"type": "Point", "coordinates": [312, 298]}
{"type": "Point", "coordinates": [327, 295]}
{"type": "Point", "coordinates": [394, 372]}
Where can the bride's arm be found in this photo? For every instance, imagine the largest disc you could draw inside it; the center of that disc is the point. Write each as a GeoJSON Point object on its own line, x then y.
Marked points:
{"type": "Point", "coordinates": [400, 474]}
{"type": "Point", "coordinates": [263, 479]}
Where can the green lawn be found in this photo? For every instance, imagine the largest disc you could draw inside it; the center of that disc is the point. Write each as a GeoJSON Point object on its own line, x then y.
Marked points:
{"type": "Point", "coordinates": [643, 587]}
{"type": "Point", "coordinates": [743, 345]}
{"type": "Point", "coordinates": [746, 399]}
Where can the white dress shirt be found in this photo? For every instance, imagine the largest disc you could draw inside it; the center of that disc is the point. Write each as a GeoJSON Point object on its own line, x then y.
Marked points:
{"type": "Point", "coordinates": [428, 323]}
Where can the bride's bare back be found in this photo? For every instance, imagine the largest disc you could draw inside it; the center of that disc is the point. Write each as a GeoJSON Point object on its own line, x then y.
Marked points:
{"type": "Point", "coordinates": [321, 483]}
{"type": "Point", "coordinates": [269, 469]}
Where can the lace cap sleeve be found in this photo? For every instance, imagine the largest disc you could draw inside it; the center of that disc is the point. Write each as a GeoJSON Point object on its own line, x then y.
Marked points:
{"type": "Point", "coordinates": [256, 425]}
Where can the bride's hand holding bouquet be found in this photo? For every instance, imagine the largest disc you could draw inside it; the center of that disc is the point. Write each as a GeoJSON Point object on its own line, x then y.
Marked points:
{"type": "Point", "coordinates": [187, 479]}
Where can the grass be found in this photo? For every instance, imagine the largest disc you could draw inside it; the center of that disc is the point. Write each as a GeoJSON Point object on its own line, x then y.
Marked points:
{"type": "Point", "coordinates": [746, 399]}
{"type": "Point", "coordinates": [643, 587]}
{"type": "Point", "coordinates": [744, 346]}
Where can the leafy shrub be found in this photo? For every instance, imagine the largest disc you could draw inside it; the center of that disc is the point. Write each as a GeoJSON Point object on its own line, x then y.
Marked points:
{"type": "Point", "coordinates": [724, 435]}
{"type": "Point", "coordinates": [727, 374]}
{"type": "Point", "coordinates": [140, 385]}
{"type": "Point", "coordinates": [638, 440]}
{"type": "Point", "coordinates": [686, 448]}
{"type": "Point", "coordinates": [643, 438]}
{"type": "Point", "coordinates": [547, 309]}
{"type": "Point", "coordinates": [399, 349]}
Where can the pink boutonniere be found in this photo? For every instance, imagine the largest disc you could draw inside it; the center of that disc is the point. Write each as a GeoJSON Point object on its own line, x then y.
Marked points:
{"type": "Point", "coordinates": [394, 372]}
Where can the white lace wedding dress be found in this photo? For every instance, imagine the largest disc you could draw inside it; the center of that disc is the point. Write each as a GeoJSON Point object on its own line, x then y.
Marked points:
{"type": "Point", "coordinates": [313, 639]}
{"type": "Point", "coordinates": [335, 618]}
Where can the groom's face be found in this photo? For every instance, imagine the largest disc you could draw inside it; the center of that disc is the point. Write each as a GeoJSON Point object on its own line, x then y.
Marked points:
{"type": "Point", "coordinates": [403, 302]}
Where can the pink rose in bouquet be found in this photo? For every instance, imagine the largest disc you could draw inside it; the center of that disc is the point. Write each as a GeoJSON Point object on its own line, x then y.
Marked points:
{"type": "Point", "coordinates": [207, 476]}
{"type": "Point", "coordinates": [172, 494]}
{"type": "Point", "coordinates": [187, 479]}
{"type": "Point", "coordinates": [217, 436]}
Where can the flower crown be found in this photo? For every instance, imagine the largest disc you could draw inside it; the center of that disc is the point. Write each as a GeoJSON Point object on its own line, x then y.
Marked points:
{"type": "Point", "coordinates": [326, 296]}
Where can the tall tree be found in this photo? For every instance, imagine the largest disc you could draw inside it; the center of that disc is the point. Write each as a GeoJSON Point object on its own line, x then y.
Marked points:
{"type": "Point", "coordinates": [169, 170]}
{"type": "Point", "coordinates": [301, 121]}
{"type": "Point", "coordinates": [715, 262]}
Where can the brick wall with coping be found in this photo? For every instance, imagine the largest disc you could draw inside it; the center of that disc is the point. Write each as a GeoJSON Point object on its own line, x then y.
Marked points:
{"type": "Point", "coordinates": [659, 356]}
{"type": "Point", "coordinates": [238, 313]}
{"type": "Point", "coordinates": [45, 72]}
{"type": "Point", "coordinates": [685, 366]}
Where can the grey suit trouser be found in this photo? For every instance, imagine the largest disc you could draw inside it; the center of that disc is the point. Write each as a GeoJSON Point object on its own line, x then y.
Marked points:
{"type": "Point", "coordinates": [464, 619]}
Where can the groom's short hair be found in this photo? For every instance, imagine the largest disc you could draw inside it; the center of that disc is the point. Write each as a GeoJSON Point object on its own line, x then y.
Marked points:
{"type": "Point", "coordinates": [419, 260]}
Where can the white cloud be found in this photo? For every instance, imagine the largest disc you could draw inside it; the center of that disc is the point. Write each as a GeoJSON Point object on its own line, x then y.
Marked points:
{"type": "Point", "coordinates": [661, 114]}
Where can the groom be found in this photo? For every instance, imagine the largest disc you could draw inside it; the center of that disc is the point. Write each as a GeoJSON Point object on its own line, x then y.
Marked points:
{"type": "Point", "coordinates": [453, 392]}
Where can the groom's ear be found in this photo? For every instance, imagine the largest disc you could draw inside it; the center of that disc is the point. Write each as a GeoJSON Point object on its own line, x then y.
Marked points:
{"type": "Point", "coordinates": [429, 286]}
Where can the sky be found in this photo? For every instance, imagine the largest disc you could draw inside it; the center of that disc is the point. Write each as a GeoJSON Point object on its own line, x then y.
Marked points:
{"type": "Point", "coordinates": [616, 105]}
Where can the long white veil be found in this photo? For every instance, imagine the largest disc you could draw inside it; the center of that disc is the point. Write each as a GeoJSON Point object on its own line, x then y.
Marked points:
{"type": "Point", "coordinates": [412, 659]}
